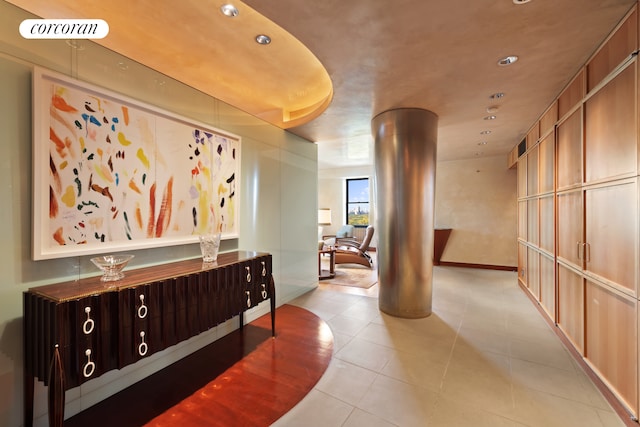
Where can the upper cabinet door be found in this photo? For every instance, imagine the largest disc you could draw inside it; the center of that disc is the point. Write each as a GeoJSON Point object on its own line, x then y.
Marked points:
{"type": "Point", "coordinates": [546, 164]}
{"type": "Point", "coordinates": [569, 151]}
{"type": "Point", "coordinates": [611, 129]}
{"type": "Point", "coordinates": [532, 171]}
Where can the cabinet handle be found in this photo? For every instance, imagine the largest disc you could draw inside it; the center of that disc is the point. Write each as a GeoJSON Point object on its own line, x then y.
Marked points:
{"type": "Point", "coordinates": [248, 274]}
{"type": "Point", "coordinates": [142, 310]}
{"type": "Point", "coordinates": [264, 269]}
{"type": "Point", "coordinates": [87, 326]}
{"type": "Point", "coordinates": [90, 367]}
{"type": "Point", "coordinates": [248, 299]}
{"type": "Point", "coordinates": [264, 291]}
{"type": "Point", "coordinates": [579, 252]}
{"type": "Point", "coordinates": [143, 347]}
{"type": "Point", "coordinates": [586, 252]}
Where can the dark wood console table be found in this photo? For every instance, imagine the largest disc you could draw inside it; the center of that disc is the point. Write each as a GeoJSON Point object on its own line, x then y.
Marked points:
{"type": "Point", "coordinates": [76, 331]}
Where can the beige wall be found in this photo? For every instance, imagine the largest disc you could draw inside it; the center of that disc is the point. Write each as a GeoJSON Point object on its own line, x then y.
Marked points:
{"type": "Point", "coordinates": [475, 197]}
{"type": "Point", "coordinates": [278, 192]}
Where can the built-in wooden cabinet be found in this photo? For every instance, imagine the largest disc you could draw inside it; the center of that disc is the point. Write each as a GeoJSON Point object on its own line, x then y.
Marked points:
{"type": "Point", "coordinates": [578, 213]}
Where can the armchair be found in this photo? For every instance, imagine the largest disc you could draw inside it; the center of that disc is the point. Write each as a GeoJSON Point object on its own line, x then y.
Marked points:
{"type": "Point", "coordinates": [353, 252]}
{"type": "Point", "coordinates": [344, 232]}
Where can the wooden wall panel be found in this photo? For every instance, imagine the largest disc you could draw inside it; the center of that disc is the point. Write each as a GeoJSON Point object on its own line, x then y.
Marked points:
{"type": "Point", "coordinates": [572, 94]}
{"type": "Point", "coordinates": [547, 220]}
{"type": "Point", "coordinates": [533, 135]}
{"type": "Point", "coordinates": [548, 286]}
{"type": "Point", "coordinates": [522, 263]}
{"type": "Point", "coordinates": [611, 224]}
{"type": "Point", "coordinates": [570, 233]}
{"type": "Point", "coordinates": [522, 176]}
{"type": "Point", "coordinates": [611, 129]}
{"type": "Point", "coordinates": [533, 235]}
{"type": "Point", "coordinates": [613, 52]}
{"type": "Point", "coordinates": [611, 328]}
{"type": "Point", "coordinates": [549, 119]}
{"type": "Point", "coordinates": [546, 164]}
{"type": "Point", "coordinates": [522, 220]}
{"type": "Point", "coordinates": [571, 306]}
{"type": "Point", "coordinates": [533, 279]}
{"type": "Point", "coordinates": [569, 151]}
{"type": "Point", "coordinates": [532, 171]}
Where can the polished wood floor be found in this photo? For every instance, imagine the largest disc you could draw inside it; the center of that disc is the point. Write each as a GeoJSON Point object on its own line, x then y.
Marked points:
{"type": "Point", "coordinates": [246, 378]}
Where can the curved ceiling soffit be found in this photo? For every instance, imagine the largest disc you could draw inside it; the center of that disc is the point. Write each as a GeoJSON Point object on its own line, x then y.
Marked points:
{"type": "Point", "coordinates": [282, 82]}
{"type": "Point", "coordinates": [298, 85]}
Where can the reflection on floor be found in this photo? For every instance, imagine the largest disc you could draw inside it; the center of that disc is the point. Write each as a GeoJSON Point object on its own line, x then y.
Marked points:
{"type": "Point", "coordinates": [485, 357]}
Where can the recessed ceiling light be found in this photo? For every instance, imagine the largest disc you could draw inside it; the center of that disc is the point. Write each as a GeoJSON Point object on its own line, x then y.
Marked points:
{"type": "Point", "coordinates": [123, 66]}
{"type": "Point", "coordinates": [485, 132]}
{"type": "Point", "coordinates": [507, 60]}
{"type": "Point", "coordinates": [229, 10]}
{"type": "Point", "coordinates": [492, 109]}
{"type": "Point", "coordinates": [482, 143]}
{"type": "Point", "coordinates": [521, 1]}
{"type": "Point", "coordinates": [492, 117]}
{"type": "Point", "coordinates": [497, 95]}
{"type": "Point", "coordinates": [263, 39]}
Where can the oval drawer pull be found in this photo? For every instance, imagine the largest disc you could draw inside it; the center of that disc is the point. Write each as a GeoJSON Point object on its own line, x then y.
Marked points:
{"type": "Point", "coordinates": [248, 274]}
{"type": "Point", "coordinates": [90, 367]}
{"type": "Point", "coordinates": [264, 291]}
{"type": "Point", "coordinates": [87, 326]}
{"type": "Point", "coordinates": [143, 347]}
{"type": "Point", "coordinates": [264, 269]}
{"type": "Point", "coordinates": [248, 299]}
{"type": "Point", "coordinates": [142, 310]}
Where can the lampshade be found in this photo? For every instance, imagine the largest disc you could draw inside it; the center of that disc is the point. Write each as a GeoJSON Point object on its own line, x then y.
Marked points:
{"type": "Point", "coordinates": [324, 216]}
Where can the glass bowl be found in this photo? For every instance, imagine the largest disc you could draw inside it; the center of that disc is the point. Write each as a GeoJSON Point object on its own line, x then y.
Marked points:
{"type": "Point", "coordinates": [112, 266]}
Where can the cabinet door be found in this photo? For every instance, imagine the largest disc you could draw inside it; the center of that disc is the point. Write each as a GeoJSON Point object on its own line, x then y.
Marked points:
{"type": "Point", "coordinates": [611, 215]}
{"type": "Point", "coordinates": [569, 151]}
{"type": "Point", "coordinates": [532, 171]}
{"type": "Point", "coordinates": [91, 352]}
{"type": "Point", "coordinates": [522, 176]}
{"type": "Point", "coordinates": [522, 220]}
{"type": "Point", "coordinates": [570, 227]}
{"type": "Point", "coordinates": [522, 264]}
{"type": "Point", "coordinates": [612, 341]}
{"type": "Point", "coordinates": [548, 286]}
{"type": "Point", "coordinates": [533, 236]}
{"type": "Point", "coordinates": [546, 158]}
{"type": "Point", "coordinates": [611, 129]}
{"type": "Point", "coordinates": [533, 262]}
{"type": "Point", "coordinates": [571, 305]}
{"type": "Point", "coordinates": [547, 220]}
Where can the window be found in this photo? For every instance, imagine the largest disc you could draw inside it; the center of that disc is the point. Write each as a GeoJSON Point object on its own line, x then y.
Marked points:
{"type": "Point", "coordinates": [358, 201]}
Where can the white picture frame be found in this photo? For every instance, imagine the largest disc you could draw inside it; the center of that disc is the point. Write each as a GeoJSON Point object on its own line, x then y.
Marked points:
{"type": "Point", "coordinates": [111, 173]}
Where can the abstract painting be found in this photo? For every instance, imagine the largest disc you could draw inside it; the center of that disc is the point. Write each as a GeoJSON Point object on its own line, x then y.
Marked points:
{"type": "Point", "coordinates": [112, 173]}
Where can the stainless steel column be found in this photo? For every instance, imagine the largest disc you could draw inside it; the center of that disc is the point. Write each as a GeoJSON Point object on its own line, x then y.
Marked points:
{"type": "Point", "coordinates": [405, 172]}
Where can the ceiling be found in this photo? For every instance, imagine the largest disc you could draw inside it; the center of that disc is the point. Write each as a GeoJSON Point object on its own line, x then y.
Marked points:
{"type": "Point", "coordinates": [441, 55]}
{"type": "Point", "coordinates": [358, 58]}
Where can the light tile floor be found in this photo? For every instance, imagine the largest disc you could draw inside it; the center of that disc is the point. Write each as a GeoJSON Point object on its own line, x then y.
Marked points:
{"type": "Point", "coordinates": [485, 357]}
